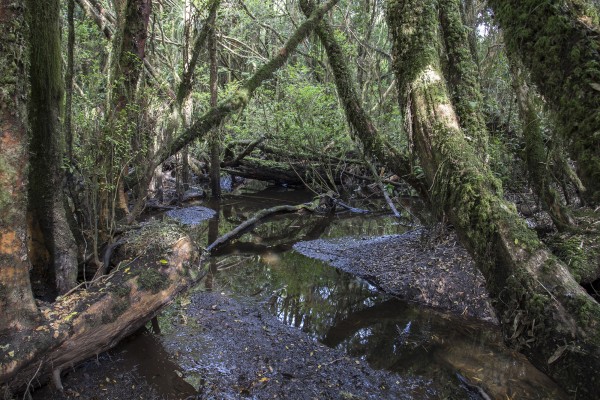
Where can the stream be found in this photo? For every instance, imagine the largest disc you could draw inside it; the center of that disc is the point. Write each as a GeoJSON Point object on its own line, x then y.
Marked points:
{"type": "Point", "coordinates": [428, 350]}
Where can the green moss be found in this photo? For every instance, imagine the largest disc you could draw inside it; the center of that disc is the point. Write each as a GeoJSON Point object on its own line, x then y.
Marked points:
{"type": "Point", "coordinates": [562, 55]}
{"type": "Point", "coordinates": [578, 253]}
{"type": "Point", "coordinates": [121, 290]}
{"type": "Point", "coordinates": [119, 308]}
{"type": "Point", "coordinates": [152, 280]}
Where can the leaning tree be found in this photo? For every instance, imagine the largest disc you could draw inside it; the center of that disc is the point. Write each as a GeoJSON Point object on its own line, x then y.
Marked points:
{"type": "Point", "coordinates": [543, 311]}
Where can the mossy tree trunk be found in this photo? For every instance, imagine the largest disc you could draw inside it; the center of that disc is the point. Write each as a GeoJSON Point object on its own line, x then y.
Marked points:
{"type": "Point", "coordinates": [16, 299]}
{"type": "Point", "coordinates": [463, 75]}
{"type": "Point", "coordinates": [558, 42]}
{"type": "Point", "coordinates": [46, 177]}
{"type": "Point", "coordinates": [361, 126]}
{"type": "Point", "coordinates": [535, 152]}
{"type": "Point", "coordinates": [125, 142]}
{"type": "Point", "coordinates": [543, 312]}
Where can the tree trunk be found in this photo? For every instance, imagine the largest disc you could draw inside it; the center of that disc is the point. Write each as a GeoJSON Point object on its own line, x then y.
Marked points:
{"type": "Point", "coordinates": [544, 313]}
{"type": "Point", "coordinates": [214, 138]}
{"type": "Point", "coordinates": [16, 299]}
{"type": "Point", "coordinates": [535, 151]}
{"type": "Point", "coordinates": [558, 43]}
{"type": "Point", "coordinates": [362, 127]}
{"type": "Point", "coordinates": [463, 78]}
{"type": "Point", "coordinates": [46, 199]}
{"type": "Point", "coordinates": [69, 79]}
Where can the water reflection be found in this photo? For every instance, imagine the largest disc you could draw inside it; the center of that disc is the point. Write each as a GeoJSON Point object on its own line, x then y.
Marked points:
{"type": "Point", "coordinates": [349, 314]}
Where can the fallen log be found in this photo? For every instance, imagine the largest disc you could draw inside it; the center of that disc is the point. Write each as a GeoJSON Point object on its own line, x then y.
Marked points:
{"type": "Point", "coordinates": [255, 219]}
{"type": "Point", "coordinates": [160, 263]}
{"type": "Point", "coordinates": [292, 173]}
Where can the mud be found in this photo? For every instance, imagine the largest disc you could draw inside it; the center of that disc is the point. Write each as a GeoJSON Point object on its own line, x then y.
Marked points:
{"type": "Point", "coordinates": [430, 268]}
{"type": "Point", "coordinates": [193, 215]}
{"type": "Point", "coordinates": [244, 352]}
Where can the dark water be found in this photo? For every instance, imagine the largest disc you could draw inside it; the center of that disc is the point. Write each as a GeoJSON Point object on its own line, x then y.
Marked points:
{"type": "Point", "coordinates": [347, 313]}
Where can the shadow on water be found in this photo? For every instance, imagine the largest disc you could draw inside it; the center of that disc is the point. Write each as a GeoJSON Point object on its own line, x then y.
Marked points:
{"type": "Point", "coordinates": [349, 314]}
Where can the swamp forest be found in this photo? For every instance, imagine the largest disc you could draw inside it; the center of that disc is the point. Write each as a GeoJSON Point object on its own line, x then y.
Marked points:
{"type": "Point", "coordinates": [334, 199]}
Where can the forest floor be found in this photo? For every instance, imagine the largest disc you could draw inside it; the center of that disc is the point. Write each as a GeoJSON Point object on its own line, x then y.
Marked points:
{"type": "Point", "coordinates": [239, 350]}
{"type": "Point", "coordinates": [242, 352]}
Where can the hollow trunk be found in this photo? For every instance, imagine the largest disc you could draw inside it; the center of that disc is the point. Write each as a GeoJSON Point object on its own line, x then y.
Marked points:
{"type": "Point", "coordinates": [543, 312]}
{"type": "Point", "coordinates": [46, 177]}
{"type": "Point", "coordinates": [558, 43]}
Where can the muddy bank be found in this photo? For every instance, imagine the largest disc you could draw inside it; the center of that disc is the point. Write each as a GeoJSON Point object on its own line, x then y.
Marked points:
{"type": "Point", "coordinates": [437, 272]}
{"type": "Point", "coordinates": [244, 352]}
{"type": "Point", "coordinates": [241, 352]}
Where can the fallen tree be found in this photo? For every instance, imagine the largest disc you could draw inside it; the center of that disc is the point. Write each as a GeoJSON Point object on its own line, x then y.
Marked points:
{"type": "Point", "coordinates": [88, 321]}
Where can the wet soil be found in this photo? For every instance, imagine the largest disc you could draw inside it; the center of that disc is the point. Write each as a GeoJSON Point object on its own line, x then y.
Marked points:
{"type": "Point", "coordinates": [242, 352]}
{"type": "Point", "coordinates": [421, 266]}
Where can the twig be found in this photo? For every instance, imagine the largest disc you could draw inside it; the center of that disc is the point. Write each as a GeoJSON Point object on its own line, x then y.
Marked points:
{"type": "Point", "coordinates": [31, 380]}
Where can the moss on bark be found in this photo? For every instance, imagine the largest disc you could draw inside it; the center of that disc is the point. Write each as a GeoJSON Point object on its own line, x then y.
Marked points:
{"type": "Point", "coordinates": [535, 152]}
{"type": "Point", "coordinates": [543, 311]}
{"type": "Point", "coordinates": [46, 200]}
{"type": "Point", "coordinates": [558, 43]}
{"type": "Point", "coordinates": [462, 75]}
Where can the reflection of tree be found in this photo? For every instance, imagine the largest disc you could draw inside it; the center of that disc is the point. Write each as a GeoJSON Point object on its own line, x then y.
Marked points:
{"type": "Point", "coordinates": [213, 234]}
{"type": "Point", "coordinates": [280, 237]}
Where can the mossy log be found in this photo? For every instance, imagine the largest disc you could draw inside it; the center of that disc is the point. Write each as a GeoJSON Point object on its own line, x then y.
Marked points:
{"type": "Point", "coordinates": [543, 311]}
{"type": "Point", "coordinates": [84, 323]}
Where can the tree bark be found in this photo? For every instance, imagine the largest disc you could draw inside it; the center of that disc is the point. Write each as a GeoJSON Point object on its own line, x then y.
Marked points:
{"type": "Point", "coordinates": [16, 299]}
{"type": "Point", "coordinates": [535, 151]}
{"type": "Point", "coordinates": [46, 199]}
{"type": "Point", "coordinates": [558, 43]}
{"type": "Point", "coordinates": [463, 78]}
{"type": "Point", "coordinates": [214, 138]}
{"type": "Point", "coordinates": [543, 312]}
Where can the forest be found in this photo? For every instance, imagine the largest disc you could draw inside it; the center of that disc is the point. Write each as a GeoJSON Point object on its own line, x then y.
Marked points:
{"type": "Point", "coordinates": [463, 132]}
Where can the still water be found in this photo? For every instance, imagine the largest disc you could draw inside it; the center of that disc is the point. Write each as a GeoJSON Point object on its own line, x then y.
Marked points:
{"type": "Point", "coordinates": [348, 313]}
